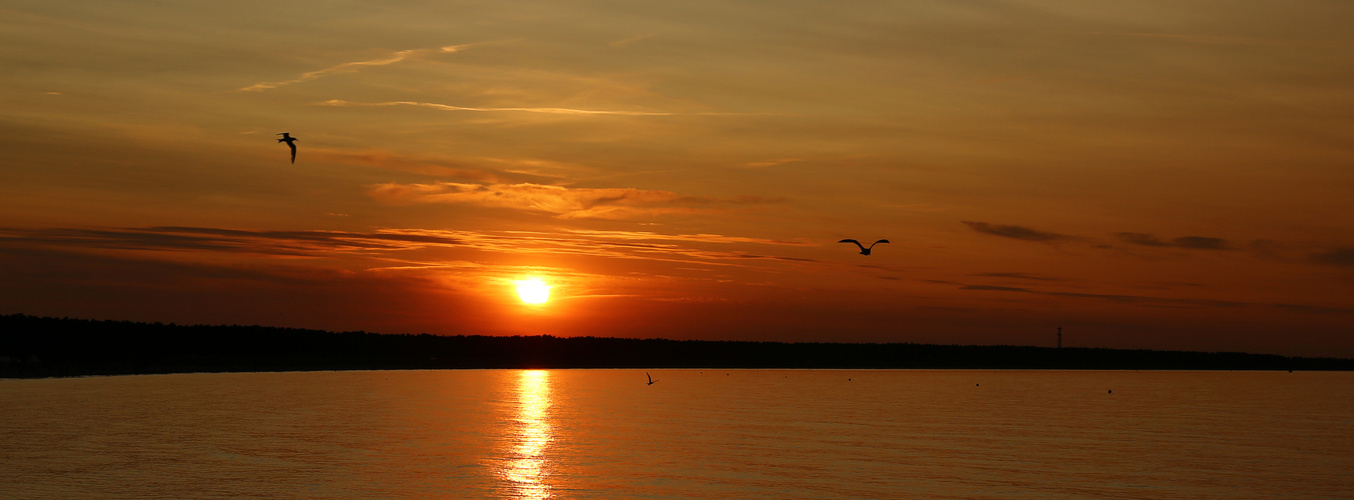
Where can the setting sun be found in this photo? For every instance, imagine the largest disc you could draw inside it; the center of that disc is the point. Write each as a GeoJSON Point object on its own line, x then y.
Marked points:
{"type": "Point", "coordinates": [533, 291]}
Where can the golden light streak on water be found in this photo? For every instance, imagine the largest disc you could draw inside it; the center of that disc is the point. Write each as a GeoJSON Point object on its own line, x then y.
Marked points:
{"type": "Point", "coordinates": [528, 465]}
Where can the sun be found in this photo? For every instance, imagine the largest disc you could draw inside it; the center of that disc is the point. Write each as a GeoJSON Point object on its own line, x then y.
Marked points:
{"type": "Point", "coordinates": [533, 291]}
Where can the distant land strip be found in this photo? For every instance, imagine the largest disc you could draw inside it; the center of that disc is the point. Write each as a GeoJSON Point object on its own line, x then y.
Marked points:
{"type": "Point", "coordinates": [38, 347]}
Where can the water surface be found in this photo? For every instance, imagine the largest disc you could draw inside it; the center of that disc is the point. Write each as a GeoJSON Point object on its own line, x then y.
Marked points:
{"type": "Point", "coordinates": [694, 434]}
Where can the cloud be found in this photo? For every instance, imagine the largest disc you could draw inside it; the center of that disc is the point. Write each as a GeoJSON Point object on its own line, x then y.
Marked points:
{"type": "Point", "coordinates": [1132, 299]}
{"type": "Point", "coordinates": [1017, 232]}
{"type": "Point", "coordinates": [604, 245]}
{"type": "Point", "coordinates": [564, 202]}
{"type": "Point", "coordinates": [468, 170]}
{"type": "Point", "coordinates": [1019, 276]}
{"type": "Point", "coordinates": [1202, 243]}
{"type": "Point", "coordinates": [1266, 248]}
{"type": "Point", "coordinates": [283, 243]}
{"type": "Point", "coordinates": [1187, 242]}
{"type": "Point", "coordinates": [777, 257]}
{"type": "Point", "coordinates": [545, 110]}
{"type": "Point", "coordinates": [348, 67]}
{"type": "Point", "coordinates": [1149, 300]}
{"type": "Point", "coordinates": [146, 288]}
{"type": "Point", "coordinates": [447, 107]}
{"type": "Point", "coordinates": [1314, 309]}
{"type": "Point", "coordinates": [1207, 40]}
{"type": "Point", "coordinates": [995, 288]}
{"type": "Point", "coordinates": [1342, 257]}
{"type": "Point", "coordinates": [702, 238]}
{"type": "Point", "coordinates": [355, 66]}
{"type": "Point", "coordinates": [392, 247]}
{"type": "Point", "coordinates": [773, 162]}
{"type": "Point", "coordinates": [627, 41]}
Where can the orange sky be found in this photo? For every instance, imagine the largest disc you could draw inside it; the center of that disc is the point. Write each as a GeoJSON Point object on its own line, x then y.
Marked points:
{"type": "Point", "coordinates": [1170, 175]}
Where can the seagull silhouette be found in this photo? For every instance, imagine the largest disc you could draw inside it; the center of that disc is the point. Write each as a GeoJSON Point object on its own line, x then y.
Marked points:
{"type": "Point", "coordinates": [651, 380]}
{"type": "Point", "coordinates": [863, 249]}
{"type": "Point", "coordinates": [291, 141]}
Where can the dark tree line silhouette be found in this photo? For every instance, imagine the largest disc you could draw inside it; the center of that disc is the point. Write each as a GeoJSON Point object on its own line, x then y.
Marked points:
{"type": "Point", "coordinates": [33, 346]}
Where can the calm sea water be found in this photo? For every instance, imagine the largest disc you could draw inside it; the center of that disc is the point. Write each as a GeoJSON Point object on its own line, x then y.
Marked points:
{"type": "Point", "coordinates": [694, 434]}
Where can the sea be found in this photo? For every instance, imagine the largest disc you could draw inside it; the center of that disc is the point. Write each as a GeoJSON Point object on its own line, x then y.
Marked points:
{"type": "Point", "coordinates": [775, 434]}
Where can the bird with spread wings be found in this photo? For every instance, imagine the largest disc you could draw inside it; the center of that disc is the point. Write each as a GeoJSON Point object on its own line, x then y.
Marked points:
{"type": "Point", "coordinates": [864, 250]}
{"type": "Point", "coordinates": [291, 141]}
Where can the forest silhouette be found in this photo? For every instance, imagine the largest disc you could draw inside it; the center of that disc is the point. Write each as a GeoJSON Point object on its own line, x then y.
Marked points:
{"type": "Point", "coordinates": [33, 346]}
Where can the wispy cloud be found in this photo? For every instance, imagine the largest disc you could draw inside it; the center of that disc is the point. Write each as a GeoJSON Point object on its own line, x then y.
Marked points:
{"type": "Point", "coordinates": [624, 246]}
{"type": "Point", "coordinates": [1159, 301]}
{"type": "Point", "coordinates": [1314, 309]}
{"type": "Point", "coordinates": [389, 246]}
{"type": "Point", "coordinates": [1187, 242]}
{"type": "Point", "coordinates": [1131, 299]}
{"type": "Point", "coordinates": [1205, 39]}
{"type": "Point", "coordinates": [1342, 257]}
{"type": "Point", "coordinates": [545, 110]}
{"type": "Point", "coordinates": [627, 41]}
{"type": "Point", "coordinates": [772, 162]}
{"type": "Point", "coordinates": [352, 67]}
{"type": "Point", "coordinates": [1019, 276]}
{"type": "Point", "coordinates": [475, 169]}
{"type": "Point", "coordinates": [564, 202]}
{"type": "Point", "coordinates": [1017, 232]}
{"type": "Point", "coordinates": [447, 107]}
{"type": "Point", "coordinates": [288, 243]}
{"type": "Point", "coordinates": [1201, 243]}
{"type": "Point", "coordinates": [995, 288]}
{"type": "Point", "coordinates": [701, 238]}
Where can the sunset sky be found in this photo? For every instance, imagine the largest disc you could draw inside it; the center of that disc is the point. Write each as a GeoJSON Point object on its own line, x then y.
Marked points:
{"type": "Point", "coordinates": [1165, 174]}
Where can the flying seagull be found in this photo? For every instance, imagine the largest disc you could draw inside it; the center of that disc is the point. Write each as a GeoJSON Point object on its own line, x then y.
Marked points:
{"type": "Point", "coordinates": [651, 380]}
{"type": "Point", "coordinates": [863, 249]}
{"type": "Point", "coordinates": [291, 142]}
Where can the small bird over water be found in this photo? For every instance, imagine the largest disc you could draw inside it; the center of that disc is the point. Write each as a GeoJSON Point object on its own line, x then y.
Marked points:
{"type": "Point", "coordinates": [291, 142]}
{"type": "Point", "coordinates": [651, 380]}
{"type": "Point", "coordinates": [863, 249]}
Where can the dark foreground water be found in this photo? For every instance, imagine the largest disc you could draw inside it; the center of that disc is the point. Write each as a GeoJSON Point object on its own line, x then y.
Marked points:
{"type": "Point", "coordinates": [694, 434]}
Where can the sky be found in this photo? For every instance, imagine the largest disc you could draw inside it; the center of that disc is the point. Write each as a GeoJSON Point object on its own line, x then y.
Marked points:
{"type": "Point", "coordinates": [1144, 174]}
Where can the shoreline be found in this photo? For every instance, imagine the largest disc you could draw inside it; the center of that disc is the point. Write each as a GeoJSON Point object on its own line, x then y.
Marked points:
{"type": "Point", "coordinates": [36, 347]}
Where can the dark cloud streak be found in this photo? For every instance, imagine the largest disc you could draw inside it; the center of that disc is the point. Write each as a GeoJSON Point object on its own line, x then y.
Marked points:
{"type": "Point", "coordinates": [1186, 242]}
{"type": "Point", "coordinates": [382, 243]}
{"type": "Point", "coordinates": [1340, 257]}
{"type": "Point", "coordinates": [1144, 300]}
{"type": "Point", "coordinates": [1017, 232]}
{"type": "Point", "coordinates": [996, 288]}
{"type": "Point", "coordinates": [287, 243]}
{"type": "Point", "coordinates": [1019, 276]}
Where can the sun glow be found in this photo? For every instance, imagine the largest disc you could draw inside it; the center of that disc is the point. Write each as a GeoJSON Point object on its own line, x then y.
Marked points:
{"type": "Point", "coordinates": [533, 291]}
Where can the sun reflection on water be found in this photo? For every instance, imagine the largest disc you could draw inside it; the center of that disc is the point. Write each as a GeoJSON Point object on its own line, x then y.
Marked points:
{"type": "Point", "coordinates": [527, 466]}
